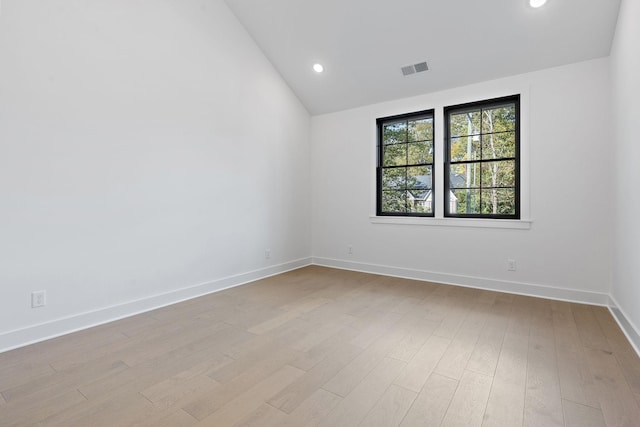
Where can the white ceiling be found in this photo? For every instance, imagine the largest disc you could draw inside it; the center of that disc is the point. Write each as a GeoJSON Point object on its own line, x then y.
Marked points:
{"type": "Point", "coordinates": [363, 43]}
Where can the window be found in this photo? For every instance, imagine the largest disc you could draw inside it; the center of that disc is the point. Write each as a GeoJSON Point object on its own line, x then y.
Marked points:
{"type": "Point", "coordinates": [405, 165]}
{"type": "Point", "coordinates": [482, 158]}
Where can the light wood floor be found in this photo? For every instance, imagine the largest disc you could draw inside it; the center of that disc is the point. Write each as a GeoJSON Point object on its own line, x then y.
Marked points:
{"type": "Point", "coordinates": [326, 347]}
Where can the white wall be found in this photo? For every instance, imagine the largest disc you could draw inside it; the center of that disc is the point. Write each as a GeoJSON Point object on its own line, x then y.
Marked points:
{"type": "Point", "coordinates": [150, 153]}
{"type": "Point", "coordinates": [566, 252]}
{"type": "Point", "coordinates": [625, 62]}
{"type": "Point", "coordinates": [145, 147]}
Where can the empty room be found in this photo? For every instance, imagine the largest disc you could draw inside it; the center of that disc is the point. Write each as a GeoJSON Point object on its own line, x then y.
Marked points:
{"type": "Point", "coordinates": [319, 213]}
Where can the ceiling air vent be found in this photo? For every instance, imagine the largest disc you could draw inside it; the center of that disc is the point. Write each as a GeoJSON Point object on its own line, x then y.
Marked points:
{"type": "Point", "coordinates": [415, 68]}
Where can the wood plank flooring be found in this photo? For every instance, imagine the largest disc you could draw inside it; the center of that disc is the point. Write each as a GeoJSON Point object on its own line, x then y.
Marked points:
{"type": "Point", "coordinates": [325, 347]}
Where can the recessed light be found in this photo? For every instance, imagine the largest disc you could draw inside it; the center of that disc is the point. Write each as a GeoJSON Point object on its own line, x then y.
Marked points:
{"type": "Point", "coordinates": [537, 3]}
{"type": "Point", "coordinates": [318, 68]}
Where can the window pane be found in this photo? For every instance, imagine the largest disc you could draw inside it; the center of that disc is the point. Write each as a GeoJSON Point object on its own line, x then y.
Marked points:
{"type": "Point", "coordinates": [507, 201]}
{"type": "Point", "coordinates": [421, 129]}
{"type": "Point", "coordinates": [465, 148]}
{"type": "Point", "coordinates": [394, 201]}
{"type": "Point", "coordinates": [394, 133]}
{"type": "Point", "coordinates": [420, 152]}
{"type": "Point", "coordinates": [419, 202]}
{"type": "Point", "coordinates": [394, 178]}
{"type": "Point", "coordinates": [499, 145]}
{"type": "Point", "coordinates": [466, 200]}
{"type": "Point", "coordinates": [499, 174]}
{"type": "Point", "coordinates": [419, 177]}
{"type": "Point", "coordinates": [395, 155]}
{"type": "Point", "coordinates": [463, 124]}
{"type": "Point", "coordinates": [465, 175]}
{"type": "Point", "coordinates": [499, 119]}
{"type": "Point", "coordinates": [490, 201]}
{"type": "Point", "coordinates": [457, 180]}
{"type": "Point", "coordinates": [499, 201]}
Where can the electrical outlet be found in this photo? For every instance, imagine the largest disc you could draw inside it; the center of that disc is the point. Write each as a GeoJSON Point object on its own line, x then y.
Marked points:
{"type": "Point", "coordinates": [267, 254]}
{"type": "Point", "coordinates": [38, 299]}
{"type": "Point", "coordinates": [349, 249]}
{"type": "Point", "coordinates": [511, 264]}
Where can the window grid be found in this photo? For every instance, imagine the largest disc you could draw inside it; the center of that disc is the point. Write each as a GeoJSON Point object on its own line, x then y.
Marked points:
{"type": "Point", "coordinates": [504, 196]}
{"type": "Point", "coordinates": [405, 165]}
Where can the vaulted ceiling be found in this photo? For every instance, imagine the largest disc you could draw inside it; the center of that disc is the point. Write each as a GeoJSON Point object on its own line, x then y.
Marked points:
{"type": "Point", "coordinates": [364, 43]}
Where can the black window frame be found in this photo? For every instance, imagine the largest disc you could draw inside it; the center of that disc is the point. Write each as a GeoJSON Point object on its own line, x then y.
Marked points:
{"type": "Point", "coordinates": [381, 122]}
{"type": "Point", "coordinates": [484, 104]}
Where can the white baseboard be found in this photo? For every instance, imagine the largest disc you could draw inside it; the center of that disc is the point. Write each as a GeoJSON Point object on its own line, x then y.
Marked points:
{"type": "Point", "coordinates": [542, 291]}
{"type": "Point", "coordinates": [571, 295]}
{"type": "Point", "coordinates": [630, 330]}
{"type": "Point", "coordinates": [62, 326]}
{"type": "Point", "coordinates": [57, 327]}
